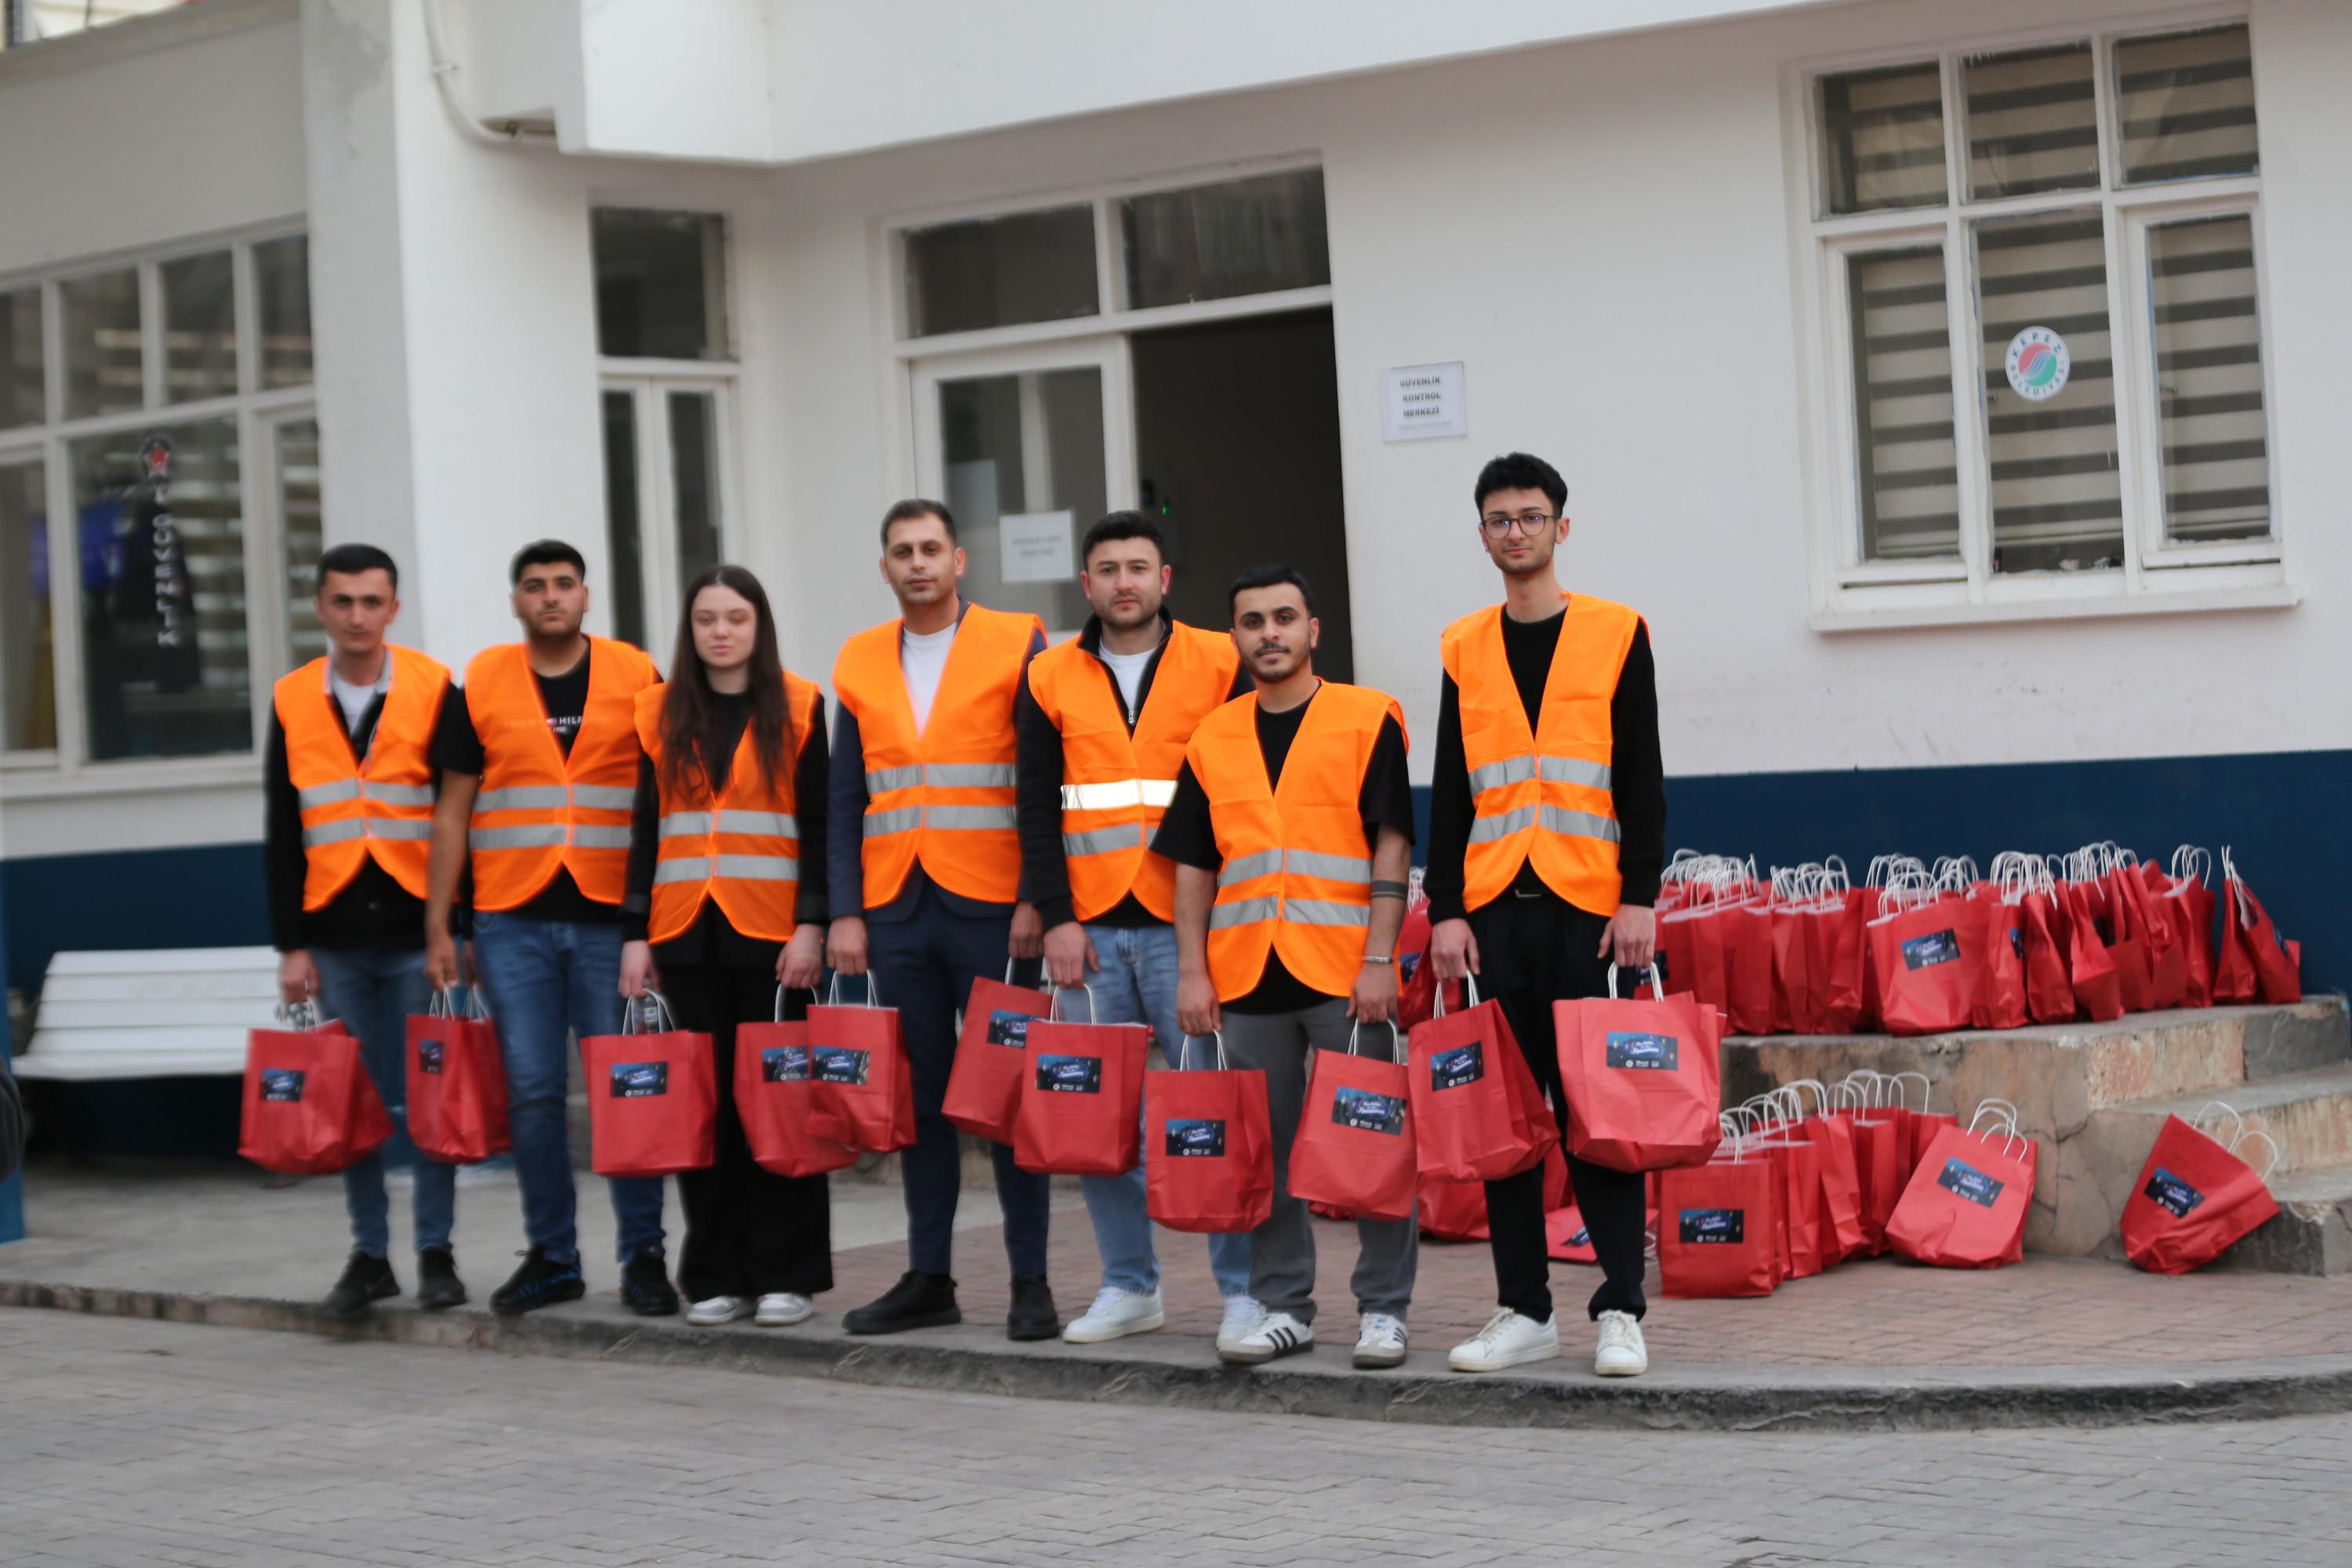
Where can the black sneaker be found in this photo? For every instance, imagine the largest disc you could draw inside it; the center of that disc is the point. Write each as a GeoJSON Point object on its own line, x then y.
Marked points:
{"type": "Point", "coordinates": [916, 1301]}
{"type": "Point", "coordinates": [438, 1289]}
{"type": "Point", "coordinates": [366, 1281]}
{"type": "Point", "coordinates": [645, 1289]}
{"type": "Point", "coordinates": [537, 1283]}
{"type": "Point", "coordinates": [1031, 1316]}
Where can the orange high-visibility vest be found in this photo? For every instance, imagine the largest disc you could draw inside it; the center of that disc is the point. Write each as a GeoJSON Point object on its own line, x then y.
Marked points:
{"type": "Point", "coordinates": [355, 811]}
{"type": "Point", "coordinates": [1116, 786]}
{"type": "Point", "coordinates": [1297, 873]}
{"type": "Point", "coordinates": [539, 811]}
{"type": "Point", "coordinates": [1542, 796]}
{"type": "Point", "coordinates": [944, 796]}
{"type": "Point", "coordinates": [742, 849]}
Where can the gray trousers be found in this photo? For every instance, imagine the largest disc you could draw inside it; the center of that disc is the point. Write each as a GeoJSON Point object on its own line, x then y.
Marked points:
{"type": "Point", "coordinates": [1282, 1250]}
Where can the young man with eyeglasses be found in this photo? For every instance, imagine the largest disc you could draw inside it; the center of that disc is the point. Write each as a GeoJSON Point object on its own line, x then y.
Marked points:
{"type": "Point", "coordinates": [1546, 839]}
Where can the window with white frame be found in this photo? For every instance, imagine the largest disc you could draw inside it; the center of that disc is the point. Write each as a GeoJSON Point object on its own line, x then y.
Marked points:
{"type": "Point", "coordinates": [2039, 267]}
{"type": "Point", "coordinates": [159, 502]}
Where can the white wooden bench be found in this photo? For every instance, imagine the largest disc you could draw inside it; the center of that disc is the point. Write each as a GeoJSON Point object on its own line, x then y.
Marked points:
{"type": "Point", "coordinates": [150, 1012]}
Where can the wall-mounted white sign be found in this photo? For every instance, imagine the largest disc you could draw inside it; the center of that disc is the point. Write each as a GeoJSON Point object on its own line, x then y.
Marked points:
{"type": "Point", "coordinates": [1424, 400]}
{"type": "Point", "coordinates": [1037, 546]}
{"type": "Point", "coordinates": [2037, 364]}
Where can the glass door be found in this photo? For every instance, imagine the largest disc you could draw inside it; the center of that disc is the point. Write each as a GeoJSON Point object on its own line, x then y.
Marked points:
{"type": "Point", "coordinates": [667, 496]}
{"type": "Point", "coordinates": [1028, 447]}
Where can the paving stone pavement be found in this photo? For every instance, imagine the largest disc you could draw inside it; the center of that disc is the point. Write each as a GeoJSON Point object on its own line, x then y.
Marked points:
{"type": "Point", "coordinates": [124, 1443]}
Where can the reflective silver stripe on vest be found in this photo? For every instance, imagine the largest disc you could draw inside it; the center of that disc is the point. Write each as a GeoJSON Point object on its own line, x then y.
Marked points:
{"type": "Point", "coordinates": [1324, 912]}
{"type": "Point", "coordinates": [587, 836]}
{"type": "Point", "coordinates": [1159, 793]}
{"type": "Point", "coordinates": [969, 775]}
{"type": "Point", "coordinates": [686, 823]}
{"type": "Point", "coordinates": [396, 794]}
{"type": "Point", "coordinates": [1576, 771]}
{"type": "Point", "coordinates": [1108, 795]}
{"type": "Point", "coordinates": [1241, 912]}
{"type": "Point", "coordinates": [525, 797]}
{"type": "Point", "coordinates": [683, 868]}
{"type": "Point", "coordinates": [398, 827]}
{"type": "Point", "coordinates": [532, 836]}
{"type": "Point", "coordinates": [1330, 868]}
{"type": "Point", "coordinates": [1264, 863]}
{"type": "Point", "coordinates": [905, 819]}
{"type": "Point", "coordinates": [1578, 824]}
{"type": "Point", "coordinates": [327, 794]}
{"type": "Point", "coordinates": [969, 818]}
{"type": "Point", "coordinates": [760, 868]}
{"type": "Point", "coordinates": [603, 797]}
{"type": "Point", "coordinates": [1494, 775]}
{"type": "Point", "coordinates": [1104, 840]}
{"type": "Point", "coordinates": [1486, 829]}
{"type": "Point", "coordinates": [337, 832]}
{"type": "Point", "coordinates": [881, 779]}
{"type": "Point", "coordinates": [775, 823]}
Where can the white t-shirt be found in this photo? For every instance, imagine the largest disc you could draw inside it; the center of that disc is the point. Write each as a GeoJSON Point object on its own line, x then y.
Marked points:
{"type": "Point", "coordinates": [1128, 669]}
{"type": "Point", "coordinates": [355, 700]}
{"type": "Point", "coordinates": [923, 658]}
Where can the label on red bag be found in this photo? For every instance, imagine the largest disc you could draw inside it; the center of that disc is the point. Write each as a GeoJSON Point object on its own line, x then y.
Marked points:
{"type": "Point", "coordinates": [1007, 1027]}
{"type": "Point", "coordinates": [640, 1081]}
{"type": "Point", "coordinates": [838, 1064]}
{"type": "Point", "coordinates": [1196, 1140]}
{"type": "Point", "coordinates": [784, 1064]}
{"type": "Point", "coordinates": [1936, 947]}
{"type": "Point", "coordinates": [1632, 1049]}
{"type": "Point", "coordinates": [1070, 1075]}
{"type": "Point", "coordinates": [1970, 1183]}
{"type": "Point", "coordinates": [1408, 965]}
{"type": "Point", "coordinates": [1707, 1228]}
{"type": "Point", "coordinates": [428, 1056]}
{"type": "Point", "coordinates": [2168, 1190]}
{"type": "Point", "coordinates": [1368, 1111]}
{"type": "Point", "coordinates": [2017, 941]}
{"type": "Point", "coordinates": [281, 1084]}
{"type": "Point", "coordinates": [1462, 1064]}
{"type": "Point", "coordinates": [1583, 1237]}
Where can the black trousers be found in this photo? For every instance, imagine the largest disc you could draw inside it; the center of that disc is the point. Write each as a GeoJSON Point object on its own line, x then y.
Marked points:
{"type": "Point", "coordinates": [748, 1232]}
{"type": "Point", "coordinates": [1533, 953]}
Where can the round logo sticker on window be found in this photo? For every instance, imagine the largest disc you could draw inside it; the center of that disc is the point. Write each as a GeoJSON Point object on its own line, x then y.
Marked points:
{"type": "Point", "coordinates": [2037, 364]}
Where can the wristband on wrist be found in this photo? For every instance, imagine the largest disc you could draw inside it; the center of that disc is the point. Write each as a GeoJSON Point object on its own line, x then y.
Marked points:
{"type": "Point", "coordinates": [1369, 959]}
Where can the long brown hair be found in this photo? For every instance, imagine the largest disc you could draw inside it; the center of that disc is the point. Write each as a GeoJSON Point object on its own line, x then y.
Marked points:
{"type": "Point", "coordinates": [689, 716]}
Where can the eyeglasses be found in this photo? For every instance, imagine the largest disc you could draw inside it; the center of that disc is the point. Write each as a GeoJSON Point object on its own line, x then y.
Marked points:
{"type": "Point", "coordinates": [1528, 522]}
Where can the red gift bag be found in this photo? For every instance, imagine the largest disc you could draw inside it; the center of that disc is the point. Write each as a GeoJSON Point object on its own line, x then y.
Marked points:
{"type": "Point", "coordinates": [1354, 1147]}
{"type": "Point", "coordinates": [310, 1107]}
{"type": "Point", "coordinates": [2277, 962]}
{"type": "Point", "coordinates": [2168, 954]}
{"type": "Point", "coordinates": [775, 1097]}
{"type": "Point", "coordinates": [1747, 968]}
{"type": "Point", "coordinates": [1881, 1164]}
{"type": "Point", "coordinates": [2130, 944]}
{"type": "Point", "coordinates": [865, 1094]}
{"type": "Point", "coordinates": [1457, 1211]}
{"type": "Point", "coordinates": [1841, 1186]}
{"type": "Point", "coordinates": [992, 1056]}
{"type": "Point", "coordinates": [1082, 1099]}
{"type": "Point", "coordinates": [1644, 1084]}
{"type": "Point", "coordinates": [652, 1096]}
{"type": "Point", "coordinates": [2195, 1198]}
{"type": "Point", "coordinates": [1471, 1121]}
{"type": "Point", "coordinates": [1833, 959]}
{"type": "Point", "coordinates": [1798, 1165]}
{"type": "Point", "coordinates": [1209, 1165]}
{"type": "Point", "coordinates": [2049, 993]}
{"type": "Point", "coordinates": [1794, 1009]}
{"type": "Point", "coordinates": [1928, 957]}
{"type": "Point", "coordinates": [2191, 896]}
{"type": "Point", "coordinates": [457, 1084]}
{"type": "Point", "coordinates": [1965, 1207]}
{"type": "Point", "coordinates": [1717, 1223]}
{"type": "Point", "coordinates": [1566, 1239]}
{"type": "Point", "coordinates": [2098, 989]}
{"type": "Point", "coordinates": [1999, 1002]}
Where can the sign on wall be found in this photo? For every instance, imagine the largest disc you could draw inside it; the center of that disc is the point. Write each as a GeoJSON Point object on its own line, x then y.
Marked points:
{"type": "Point", "coordinates": [1420, 401]}
{"type": "Point", "coordinates": [1037, 546]}
{"type": "Point", "coordinates": [2037, 364]}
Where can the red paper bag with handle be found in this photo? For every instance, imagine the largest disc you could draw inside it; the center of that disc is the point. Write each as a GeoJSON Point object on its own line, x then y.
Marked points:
{"type": "Point", "coordinates": [1642, 1081]}
{"type": "Point", "coordinates": [1470, 1120]}
{"type": "Point", "coordinates": [1716, 1228]}
{"type": "Point", "coordinates": [2191, 896]}
{"type": "Point", "coordinates": [2195, 1197]}
{"type": "Point", "coordinates": [1747, 968]}
{"type": "Point", "coordinates": [1082, 1100]}
{"type": "Point", "coordinates": [457, 1083]}
{"type": "Point", "coordinates": [2049, 993]}
{"type": "Point", "coordinates": [1209, 1160]}
{"type": "Point", "coordinates": [1965, 1204]}
{"type": "Point", "coordinates": [1999, 1002]}
{"type": "Point", "coordinates": [775, 1097]}
{"type": "Point", "coordinates": [992, 1056]}
{"type": "Point", "coordinates": [310, 1107]}
{"type": "Point", "coordinates": [865, 1093]}
{"type": "Point", "coordinates": [1840, 1183]}
{"type": "Point", "coordinates": [1928, 957]}
{"type": "Point", "coordinates": [1354, 1147]}
{"type": "Point", "coordinates": [653, 1095]}
{"type": "Point", "coordinates": [2168, 949]}
{"type": "Point", "coordinates": [1881, 1164]}
{"type": "Point", "coordinates": [2277, 962]}
{"type": "Point", "coordinates": [1457, 1211]}
{"type": "Point", "coordinates": [2099, 990]}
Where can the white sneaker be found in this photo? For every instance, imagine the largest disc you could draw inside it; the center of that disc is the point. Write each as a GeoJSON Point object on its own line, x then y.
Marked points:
{"type": "Point", "coordinates": [1380, 1341]}
{"type": "Point", "coordinates": [1277, 1334]}
{"type": "Point", "coordinates": [1117, 1313]}
{"type": "Point", "coordinates": [783, 1309]}
{"type": "Point", "coordinates": [1508, 1338]}
{"type": "Point", "coordinates": [1242, 1314]}
{"type": "Point", "coordinates": [718, 1309]}
{"type": "Point", "coordinates": [1622, 1352]}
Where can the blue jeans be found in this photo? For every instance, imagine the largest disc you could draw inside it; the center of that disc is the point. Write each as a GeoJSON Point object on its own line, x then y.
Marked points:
{"type": "Point", "coordinates": [548, 981]}
{"type": "Point", "coordinates": [373, 991]}
{"type": "Point", "coordinates": [1136, 983]}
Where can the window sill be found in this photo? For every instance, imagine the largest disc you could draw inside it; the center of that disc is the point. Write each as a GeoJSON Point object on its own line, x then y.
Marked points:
{"type": "Point", "coordinates": [1850, 617]}
{"type": "Point", "coordinates": [155, 776]}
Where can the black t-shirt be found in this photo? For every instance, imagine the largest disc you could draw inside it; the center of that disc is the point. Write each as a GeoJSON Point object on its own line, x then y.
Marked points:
{"type": "Point", "coordinates": [1187, 836]}
{"type": "Point", "coordinates": [457, 749]}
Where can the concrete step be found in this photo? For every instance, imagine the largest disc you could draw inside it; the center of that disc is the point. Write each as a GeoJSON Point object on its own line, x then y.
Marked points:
{"type": "Point", "coordinates": [2312, 1233]}
{"type": "Point", "coordinates": [2307, 1114]}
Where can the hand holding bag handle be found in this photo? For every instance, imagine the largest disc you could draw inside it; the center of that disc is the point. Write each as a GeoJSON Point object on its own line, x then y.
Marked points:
{"type": "Point", "coordinates": [1054, 1006]}
{"type": "Point", "coordinates": [1658, 981]}
{"type": "Point", "coordinates": [298, 1017]}
{"type": "Point", "coordinates": [872, 992]}
{"type": "Point", "coordinates": [630, 1019]}
{"type": "Point", "coordinates": [1469, 985]}
{"type": "Point", "coordinates": [778, 1015]}
{"type": "Point", "coordinates": [1396, 1046]}
{"type": "Point", "coordinates": [1186, 1044]}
